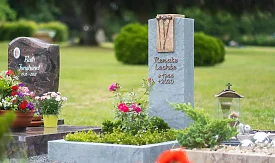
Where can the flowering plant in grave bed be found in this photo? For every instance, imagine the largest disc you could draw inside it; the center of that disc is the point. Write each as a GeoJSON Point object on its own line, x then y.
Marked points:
{"type": "Point", "coordinates": [50, 103]}
{"type": "Point", "coordinates": [132, 125]}
{"type": "Point", "coordinates": [13, 94]}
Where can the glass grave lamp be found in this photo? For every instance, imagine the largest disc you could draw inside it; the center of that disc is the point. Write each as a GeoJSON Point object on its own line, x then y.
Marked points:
{"type": "Point", "coordinates": [229, 103]}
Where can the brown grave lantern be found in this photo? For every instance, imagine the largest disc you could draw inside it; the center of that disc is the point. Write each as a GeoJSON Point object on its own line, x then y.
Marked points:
{"type": "Point", "coordinates": [229, 103]}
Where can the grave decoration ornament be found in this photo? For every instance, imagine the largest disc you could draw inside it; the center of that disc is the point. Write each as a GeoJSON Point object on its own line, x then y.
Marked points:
{"type": "Point", "coordinates": [229, 104]}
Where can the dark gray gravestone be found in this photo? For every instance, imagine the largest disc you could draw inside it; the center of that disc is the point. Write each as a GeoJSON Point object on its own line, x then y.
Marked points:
{"type": "Point", "coordinates": [38, 63]}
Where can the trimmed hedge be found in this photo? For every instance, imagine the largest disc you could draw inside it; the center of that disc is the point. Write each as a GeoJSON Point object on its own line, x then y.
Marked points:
{"type": "Point", "coordinates": [131, 47]}
{"type": "Point", "coordinates": [258, 40]}
{"type": "Point", "coordinates": [26, 28]}
{"type": "Point", "coordinates": [131, 44]}
{"type": "Point", "coordinates": [208, 50]}
{"type": "Point", "coordinates": [22, 28]}
{"type": "Point", "coordinates": [60, 28]}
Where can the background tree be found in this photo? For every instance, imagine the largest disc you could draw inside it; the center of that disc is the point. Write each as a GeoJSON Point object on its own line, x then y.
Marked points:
{"type": "Point", "coordinates": [6, 13]}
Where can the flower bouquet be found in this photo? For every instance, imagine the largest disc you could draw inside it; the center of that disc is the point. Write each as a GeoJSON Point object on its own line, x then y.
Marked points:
{"type": "Point", "coordinates": [14, 96]}
{"type": "Point", "coordinates": [50, 105]}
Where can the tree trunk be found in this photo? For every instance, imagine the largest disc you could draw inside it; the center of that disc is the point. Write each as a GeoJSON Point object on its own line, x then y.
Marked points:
{"type": "Point", "coordinates": [93, 23]}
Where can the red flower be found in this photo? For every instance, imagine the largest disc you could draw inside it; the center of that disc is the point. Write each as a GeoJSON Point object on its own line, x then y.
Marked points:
{"type": "Point", "coordinates": [14, 101]}
{"type": "Point", "coordinates": [23, 105]}
{"type": "Point", "coordinates": [177, 155]}
{"type": "Point", "coordinates": [14, 93]}
{"type": "Point", "coordinates": [14, 88]}
{"type": "Point", "coordinates": [123, 107]}
{"type": "Point", "coordinates": [9, 72]}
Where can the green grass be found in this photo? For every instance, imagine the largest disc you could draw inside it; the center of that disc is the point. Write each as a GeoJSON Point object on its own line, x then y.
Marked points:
{"type": "Point", "coordinates": [87, 72]}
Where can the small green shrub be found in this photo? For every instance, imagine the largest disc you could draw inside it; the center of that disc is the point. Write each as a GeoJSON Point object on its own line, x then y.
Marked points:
{"type": "Point", "coordinates": [22, 28]}
{"type": "Point", "coordinates": [118, 137]}
{"type": "Point", "coordinates": [109, 126]}
{"type": "Point", "coordinates": [208, 50]}
{"type": "Point", "coordinates": [221, 51]}
{"type": "Point", "coordinates": [60, 28]}
{"type": "Point", "coordinates": [205, 132]}
{"type": "Point", "coordinates": [158, 124]}
{"type": "Point", "coordinates": [131, 44]}
{"type": "Point", "coordinates": [5, 121]}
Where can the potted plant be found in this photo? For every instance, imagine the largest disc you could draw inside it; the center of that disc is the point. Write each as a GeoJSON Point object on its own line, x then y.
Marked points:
{"type": "Point", "coordinates": [50, 104]}
{"type": "Point", "coordinates": [14, 96]}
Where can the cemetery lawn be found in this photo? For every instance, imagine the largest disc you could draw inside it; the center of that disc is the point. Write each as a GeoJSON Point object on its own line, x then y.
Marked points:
{"type": "Point", "coordinates": [87, 72]}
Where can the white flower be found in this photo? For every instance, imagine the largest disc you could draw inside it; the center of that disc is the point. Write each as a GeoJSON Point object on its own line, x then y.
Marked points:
{"type": "Point", "coordinates": [48, 97]}
{"type": "Point", "coordinates": [58, 93]}
{"type": "Point", "coordinates": [58, 99]}
{"type": "Point", "coordinates": [37, 98]}
{"type": "Point", "coordinates": [64, 99]}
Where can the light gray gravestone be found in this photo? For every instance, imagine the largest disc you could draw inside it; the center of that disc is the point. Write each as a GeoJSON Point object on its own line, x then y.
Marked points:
{"type": "Point", "coordinates": [171, 66]}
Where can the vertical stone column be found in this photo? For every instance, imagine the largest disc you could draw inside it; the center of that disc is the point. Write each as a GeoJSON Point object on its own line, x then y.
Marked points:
{"type": "Point", "coordinates": [171, 66]}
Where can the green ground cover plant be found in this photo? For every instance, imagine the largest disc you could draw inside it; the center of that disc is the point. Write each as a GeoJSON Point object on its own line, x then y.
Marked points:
{"type": "Point", "coordinates": [132, 124]}
{"type": "Point", "coordinates": [85, 72]}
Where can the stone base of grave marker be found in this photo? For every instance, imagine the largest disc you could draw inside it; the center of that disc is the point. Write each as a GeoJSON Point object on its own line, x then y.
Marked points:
{"type": "Point", "coordinates": [173, 72]}
{"type": "Point", "coordinates": [34, 141]}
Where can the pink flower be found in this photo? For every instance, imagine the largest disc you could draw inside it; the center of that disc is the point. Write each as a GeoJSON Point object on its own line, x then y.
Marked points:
{"type": "Point", "coordinates": [24, 89]}
{"type": "Point", "coordinates": [64, 99]}
{"type": "Point", "coordinates": [136, 108]}
{"type": "Point", "coordinates": [123, 107]}
{"type": "Point", "coordinates": [32, 94]}
{"type": "Point", "coordinates": [113, 87]}
{"type": "Point", "coordinates": [37, 98]}
{"type": "Point", "coordinates": [53, 94]}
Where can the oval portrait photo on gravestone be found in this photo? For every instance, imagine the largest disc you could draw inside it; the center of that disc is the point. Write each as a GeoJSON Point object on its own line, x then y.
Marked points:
{"type": "Point", "coordinates": [16, 53]}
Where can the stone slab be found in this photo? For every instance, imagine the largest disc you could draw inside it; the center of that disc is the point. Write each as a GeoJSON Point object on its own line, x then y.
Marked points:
{"type": "Point", "coordinates": [172, 72]}
{"type": "Point", "coordinates": [83, 152]}
{"type": "Point", "coordinates": [34, 141]}
{"type": "Point", "coordinates": [223, 157]}
{"type": "Point", "coordinates": [38, 63]}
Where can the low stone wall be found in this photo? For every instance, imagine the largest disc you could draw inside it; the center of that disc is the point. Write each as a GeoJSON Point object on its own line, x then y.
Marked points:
{"type": "Point", "coordinates": [82, 152]}
{"type": "Point", "coordinates": [223, 157]}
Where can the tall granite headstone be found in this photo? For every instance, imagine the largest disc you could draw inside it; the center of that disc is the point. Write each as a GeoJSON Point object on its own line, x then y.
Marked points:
{"type": "Point", "coordinates": [171, 66]}
{"type": "Point", "coordinates": [38, 63]}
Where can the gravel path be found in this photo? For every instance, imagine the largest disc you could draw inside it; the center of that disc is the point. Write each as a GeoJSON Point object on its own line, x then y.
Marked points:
{"type": "Point", "coordinates": [35, 159]}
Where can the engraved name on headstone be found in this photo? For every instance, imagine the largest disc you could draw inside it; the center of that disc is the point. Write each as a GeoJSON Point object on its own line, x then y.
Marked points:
{"type": "Point", "coordinates": [38, 63]}
{"type": "Point", "coordinates": [173, 71]}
